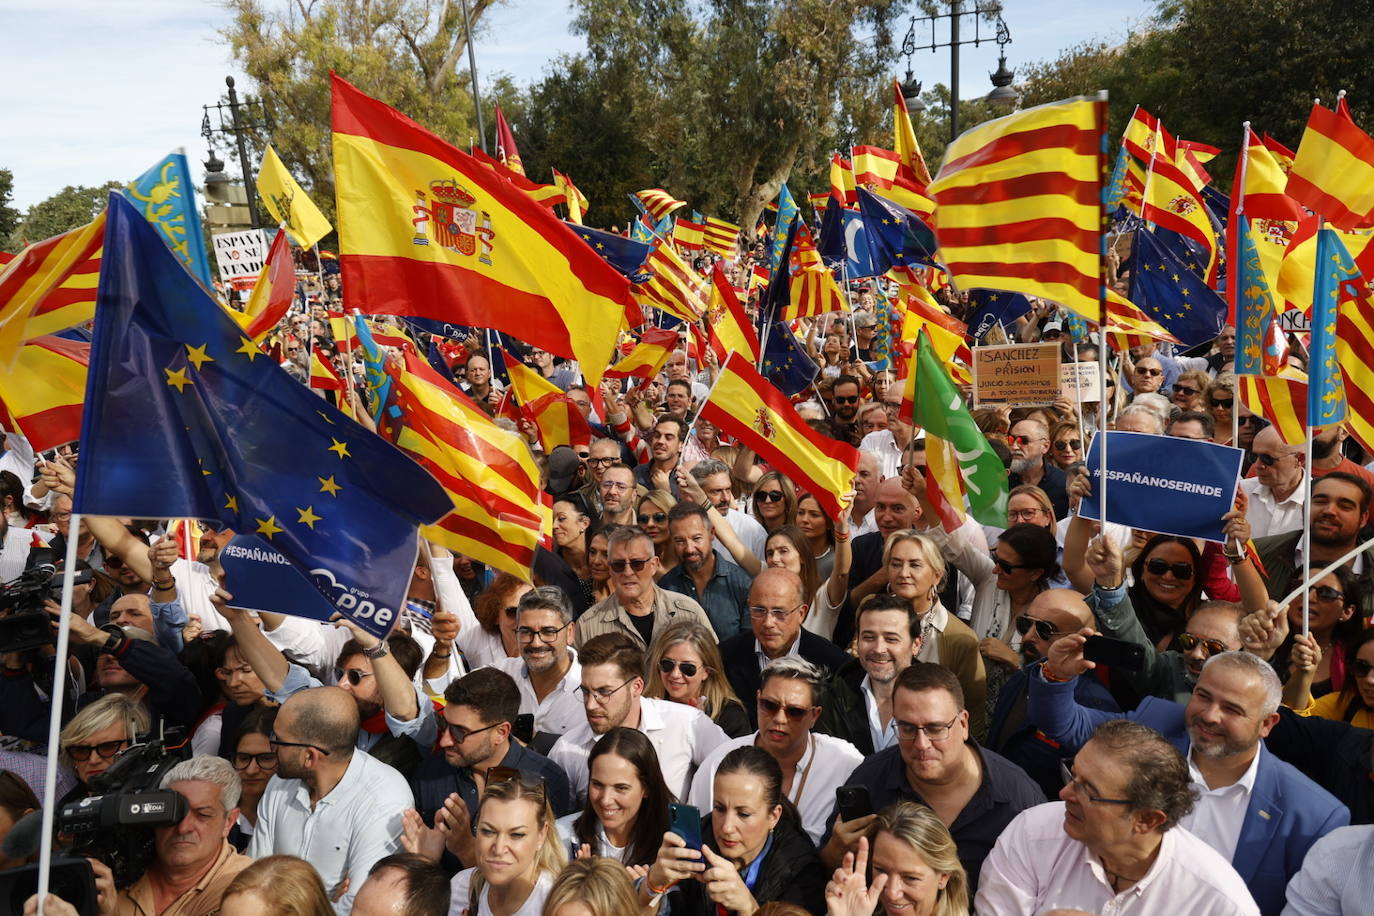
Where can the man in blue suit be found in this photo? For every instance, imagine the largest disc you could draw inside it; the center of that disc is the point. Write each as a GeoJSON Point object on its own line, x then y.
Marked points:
{"type": "Point", "coordinates": [1253, 808]}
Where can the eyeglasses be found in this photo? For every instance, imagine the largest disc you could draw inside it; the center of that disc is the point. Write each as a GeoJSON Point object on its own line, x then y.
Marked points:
{"type": "Point", "coordinates": [106, 749]}
{"type": "Point", "coordinates": [601, 694]}
{"type": "Point", "coordinates": [1180, 570]}
{"type": "Point", "coordinates": [777, 614]}
{"type": "Point", "coordinates": [267, 761]}
{"type": "Point", "coordinates": [225, 674]}
{"type": "Point", "coordinates": [1326, 593]}
{"type": "Point", "coordinates": [1223, 402]}
{"type": "Point", "coordinates": [636, 564]}
{"type": "Point", "coordinates": [657, 518]}
{"type": "Point", "coordinates": [688, 669]}
{"type": "Point", "coordinates": [601, 462]}
{"type": "Point", "coordinates": [1043, 628]}
{"type": "Point", "coordinates": [458, 733]}
{"type": "Point", "coordinates": [615, 485]}
{"type": "Point", "coordinates": [60, 516]}
{"type": "Point", "coordinates": [1068, 445]}
{"type": "Point", "coordinates": [1082, 791]}
{"type": "Point", "coordinates": [113, 562]}
{"type": "Point", "coordinates": [1362, 668]}
{"type": "Point", "coordinates": [1268, 460]}
{"type": "Point", "coordinates": [1186, 391]}
{"type": "Point", "coordinates": [1187, 642]}
{"type": "Point", "coordinates": [354, 676]}
{"type": "Point", "coordinates": [768, 496]}
{"type": "Point", "coordinates": [1022, 515]}
{"type": "Point", "coordinates": [848, 399]}
{"type": "Point", "coordinates": [936, 731]}
{"type": "Point", "coordinates": [547, 634]}
{"type": "Point", "coordinates": [1022, 440]}
{"type": "Point", "coordinates": [1006, 567]}
{"type": "Point", "coordinates": [771, 708]}
{"type": "Point", "coordinates": [1254, 420]}
{"type": "Point", "coordinates": [273, 740]}
{"type": "Point", "coordinates": [1149, 373]}
{"type": "Point", "coordinates": [293, 349]}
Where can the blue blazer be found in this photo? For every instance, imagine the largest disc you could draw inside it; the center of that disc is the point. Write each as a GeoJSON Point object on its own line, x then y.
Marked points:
{"type": "Point", "coordinates": [1287, 814]}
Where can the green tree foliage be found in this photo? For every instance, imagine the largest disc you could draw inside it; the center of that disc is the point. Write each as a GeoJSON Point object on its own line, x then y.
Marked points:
{"type": "Point", "coordinates": [9, 216]}
{"type": "Point", "coordinates": [65, 210]}
{"type": "Point", "coordinates": [407, 53]}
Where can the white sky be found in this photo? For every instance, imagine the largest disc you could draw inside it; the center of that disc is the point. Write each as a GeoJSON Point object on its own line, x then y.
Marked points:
{"type": "Point", "coordinates": [102, 89]}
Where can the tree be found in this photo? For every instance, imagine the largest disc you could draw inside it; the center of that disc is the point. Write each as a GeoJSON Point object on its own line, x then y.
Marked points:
{"type": "Point", "coordinates": [407, 53]}
{"type": "Point", "coordinates": [65, 210]}
{"type": "Point", "coordinates": [9, 216]}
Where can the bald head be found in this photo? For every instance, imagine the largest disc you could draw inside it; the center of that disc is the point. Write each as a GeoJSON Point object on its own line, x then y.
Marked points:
{"type": "Point", "coordinates": [323, 716]}
{"type": "Point", "coordinates": [1273, 443]}
{"type": "Point", "coordinates": [1064, 610]}
{"type": "Point", "coordinates": [782, 585]}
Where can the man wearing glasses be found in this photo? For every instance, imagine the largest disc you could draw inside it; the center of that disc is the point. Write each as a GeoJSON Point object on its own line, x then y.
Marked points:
{"type": "Point", "coordinates": [612, 697]}
{"type": "Point", "coordinates": [974, 791]}
{"type": "Point", "coordinates": [887, 444]}
{"type": "Point", "coordinates": [546, 672]}
{"type": "Point", "coordinates": [1113, 839]}
{"type": "Point", "coordinates": [636, 606]}
{"type": "Point", "coordinates": [1030, 445]}
{"type": "Point", "coordinates": [617, 490]}
{"type": "Point", "coordinates": [1276, 492]}
{"type": "Point", "coordinates": [777, 609]}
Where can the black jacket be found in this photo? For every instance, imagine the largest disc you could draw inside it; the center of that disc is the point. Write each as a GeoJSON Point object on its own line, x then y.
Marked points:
{"type": "Point", "coordinates": [1335, 755]}
{"type": "Point", "coordinates": [844, 713]}
{"type": "Point", "coordinates": [791, 873]}
{"type": "Point", "coordinates": [742, 664]}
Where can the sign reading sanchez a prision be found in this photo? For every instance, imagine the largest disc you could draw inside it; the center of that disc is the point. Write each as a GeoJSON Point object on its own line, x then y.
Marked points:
{"type": "Point", "coordinates": [1021, 375]}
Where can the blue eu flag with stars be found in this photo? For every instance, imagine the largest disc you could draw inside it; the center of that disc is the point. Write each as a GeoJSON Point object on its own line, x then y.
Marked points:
{"type": "Point", "coordinates": [1172, 294]}
{"type": "Point", "coordinates": [186, 418]}
{"type": "Point", "coordinates": [896, 236]}
{"type": "Point", "coordinates": [624, 254]}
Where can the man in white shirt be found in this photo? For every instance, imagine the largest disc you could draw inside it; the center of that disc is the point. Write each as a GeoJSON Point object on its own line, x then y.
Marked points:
{"type": "Point", "coordinates": [547, 671]}
{"type": "Point", "coordinates": [867, 477]}
{"type": "Point", "coordinates": [858, 707]}
{"type": "Point", "coordinates": [330, 804]}
{"type": "Point", "coordinates": [887, 444]}
{"type": "Point", "coordinates": [612, 696]}
{"type": "Point", "coordinates": [813, 765]}
{"type": "Point", "coordinates": [1113, 842]}
{"type": "Point", "coordinates": [714, 478]}
{"type": "Point", "coordinates": [1276, 492]}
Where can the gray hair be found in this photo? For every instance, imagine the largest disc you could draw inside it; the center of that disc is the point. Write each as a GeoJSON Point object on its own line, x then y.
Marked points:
{"type": "Point", "coordinates": [708, 468]}
{"type": "Point", "coordinates": [111, 709]}
{"type": "Point", "coordinates": [627, 534]}
{"type": "Point", "coordinates": [1268, 678]}
{"type": "Point", "coordinates": [546, 598]}
{"type": "Point", "coordinates": [205, 768]}
{"type": "Point", "coordinates": [1134, 409]}
{"type": "Point", "coordinates": [797, 669]}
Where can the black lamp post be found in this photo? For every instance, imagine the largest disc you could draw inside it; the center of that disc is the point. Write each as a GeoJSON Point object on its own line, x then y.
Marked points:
{"type": "Point", "coordinates": [979, 10]}
{"type": "Point", "coordinates": [238, 125]}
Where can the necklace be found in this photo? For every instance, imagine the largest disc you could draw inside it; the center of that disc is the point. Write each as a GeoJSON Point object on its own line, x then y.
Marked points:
{"type": "Point", "coordinates": [1114, 877]}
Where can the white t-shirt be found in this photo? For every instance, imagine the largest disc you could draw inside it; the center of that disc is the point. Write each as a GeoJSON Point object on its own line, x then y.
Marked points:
{"type": "Point", "coordinates": [459, 899]}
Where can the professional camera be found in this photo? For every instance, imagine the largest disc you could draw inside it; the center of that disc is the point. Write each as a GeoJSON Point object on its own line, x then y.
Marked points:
{"type": "Point", "coordinates": [24, 624]}
{"type": "Point", "coordinates": [115, 823]}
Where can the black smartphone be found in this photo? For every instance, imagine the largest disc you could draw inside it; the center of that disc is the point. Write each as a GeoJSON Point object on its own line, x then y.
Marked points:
{"type": "Point", "coordinates": [854, 802]}
{"type": "Point", "coordinates": [685, 821]}
{"type": "Point", "coordinates": [523, 728]}
{"type": "Point", "coordinates": [1115, 653]}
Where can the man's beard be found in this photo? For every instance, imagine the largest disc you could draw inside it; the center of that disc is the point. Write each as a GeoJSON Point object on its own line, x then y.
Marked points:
{"type": "Point", "coordinates": [1322, 449]}
{"type": "Point", "coordinates": [1022, 465]}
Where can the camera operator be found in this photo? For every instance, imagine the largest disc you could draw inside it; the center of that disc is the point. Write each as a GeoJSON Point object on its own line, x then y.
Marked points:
{"type": "Point", "coordinates": [131, 662]}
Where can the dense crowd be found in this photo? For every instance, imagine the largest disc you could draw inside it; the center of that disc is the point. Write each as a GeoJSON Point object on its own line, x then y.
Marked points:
{"type": "Point", "coordinates": [715, 698]}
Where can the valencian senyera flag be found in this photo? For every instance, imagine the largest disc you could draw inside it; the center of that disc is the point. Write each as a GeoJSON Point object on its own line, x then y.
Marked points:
{"type": "Point", "coordinates": [426, 230]}
{"type": "Point", "coordinates": [165, 195]}
{"type": "Point", "coordinates": [187, 418]}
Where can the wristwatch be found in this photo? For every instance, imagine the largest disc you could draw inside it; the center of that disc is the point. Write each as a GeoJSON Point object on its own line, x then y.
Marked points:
{"type": "Point", "coordinates": [112, 645]}
{"type": "Point", "coordinates": [378, 650]}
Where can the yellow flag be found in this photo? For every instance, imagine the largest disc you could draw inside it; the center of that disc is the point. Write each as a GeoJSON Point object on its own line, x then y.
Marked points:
{"type": "Point", "coordinates": [288, 203]}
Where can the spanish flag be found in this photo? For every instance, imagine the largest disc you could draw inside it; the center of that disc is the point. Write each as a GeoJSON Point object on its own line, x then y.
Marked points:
{"type": "Point", "coordinates": [323, 375]}
{"type": "Point", "coordinates": [544, 194]}
{"type": "Point", "coordinates": [648, 357]}
{"type": "Point", "coordinates": [728, 325]}
{"type": "Point", "coordinates": [1172, 201]}
{"type": "Point", "coordinates": [746, 406]}
{"type": "Point", "coordinates": [575, 200]}
{"type": "Point", "coordinates": [1333, 173]}
{"type": "Point", "coordinates": [1280, 400]}
{"type": "Point", "coordinates": [45, 389]}
{"type": "Point", "coordinates": [273, 294]}
{"type": "Point", "coordinates": [288, 203]}
{"type": "Point", "coordinates": [426, 230]}
{"type": "Point", "coordinates": [904, 137]}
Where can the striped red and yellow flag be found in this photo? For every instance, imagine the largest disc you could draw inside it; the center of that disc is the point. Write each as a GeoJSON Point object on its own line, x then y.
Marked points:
{"type": "Point", "coordinates": [1280, 400]}
{"type": "Point", "coordinates": [672, 285]}
{"type": "Point", "coordinates": [721, 238]}
{"type": "Point", "coordinates": [842, 183]}
{"type": "Point", "coordinates": [1173, 202]}
{"type": "Point", "coordinates": [273, 294]}
{"type": "Point", "coordinates": [649, 355]}
{"type": "Point", "coordinates": [50, 286]}
{"type": "Point", "coordinates": [884, 173]}
{"type": "Point", "coordinates": [1129, 327]}
{"type": "Point", "coordinates": [187, 532]}
{"type": "Point", "coordinates": [689, 235]}
{"type": "Point", "coordinates": [745, 405]}
{"type": "Point", "coordinates": [426, 230]}
{"type": "Point", "coordinates": [342, 329]}
{"type": "Point", "coordinates": [544, 194]}
{"type": "Point", "coordinates": [323, 375]}
{"type": "Point", "coordinates": [575, 200]}
{"type": "Point", "coordinates": [488, 472]}
{"type": "Point", "coordinates": [528, 385]}
{"type": "Point", "coordinates": [727, 324]}
{"type": "Point", "coordinates": [1018, 204]}
{"type": "Point", "coordinates": [44, 390]}
{"type": "Point", "coordinates": [560, 422]}
{"type": "Point", "coordinates": [1355, 353]}
{"type": "Point", "coordinates": [659, 203]}
{"type": "Point", "coordinates": [1333, 173]}
{"type": "Point", "coordinates": [812, 288]}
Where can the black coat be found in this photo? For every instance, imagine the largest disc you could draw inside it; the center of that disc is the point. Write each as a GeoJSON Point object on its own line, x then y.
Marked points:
{"type": "Point", "coordinates": [742, 665]}
{"type": "Point", "coordinates": [792, 872]}
{"type": "Point", "coordinates": [844, 713]}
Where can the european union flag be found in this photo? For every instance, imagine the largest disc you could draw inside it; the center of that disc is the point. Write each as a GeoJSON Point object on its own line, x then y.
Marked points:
{"type": "Point", "coordinates": [1172, 294]}
{"type": "Point", "coordinates": [896, 236]}
{"type": "Point", "coordinates": [843, 240]}
{"type": "Point", "coordinates": [785, 362]}
{"type": "Point", "coordinates": [182, 420]}
{"type": "Point", "coordinates": [166, 197]}
{"type": "Point", "coordinates": [625, 255]}
{"type": "Point", "coordinates": [831, 242]}
{"type": "Point", "coordinates": [992, 307]}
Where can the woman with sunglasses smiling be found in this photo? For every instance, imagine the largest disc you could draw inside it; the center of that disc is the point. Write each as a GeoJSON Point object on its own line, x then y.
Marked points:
{"type": "Point", "coordinates": [652, 517]}
{"type": "Point", "coordinates": [775, 501]}
{"type": "Point", "coordinates": [1066, 445]}
{"type": "Point", "coordinates": [1353, 703]}
{"type": "Point", "coordinates": [627, 803]}
{"type": "Point", "coordinates": [97, 735]}
{"type": "Point", "coordinates": [684, 666]}
{"type": "Point", "coordinates": [1335, 626]}
{"type": "Point", "coordinates": [1220, 401]}
{"type": "Point", "coordinates": [1190, 390]}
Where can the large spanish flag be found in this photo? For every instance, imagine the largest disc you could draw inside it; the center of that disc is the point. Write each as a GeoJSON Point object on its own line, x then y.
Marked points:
{"type": "Point", "coordinates": [426, 230]}
{"type": "Point", "coordinates": [45, 389]}
{"type": "Point", "coordinates": [727, 324]}
{"type": "Point", "coordinates": [1333, 173]}
{"type": "Point", "coordinates": [745, 405]}
{"type": "Point", "coordinates": [1018, 204]}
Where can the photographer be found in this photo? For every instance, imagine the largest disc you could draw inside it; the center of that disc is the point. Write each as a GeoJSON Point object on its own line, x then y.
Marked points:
{"type": "Point", "coordinates": [132, 663]}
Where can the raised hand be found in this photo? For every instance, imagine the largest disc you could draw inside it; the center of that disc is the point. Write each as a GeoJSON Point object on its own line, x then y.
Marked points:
{"type": "Point", "coordinates": [848, 893]}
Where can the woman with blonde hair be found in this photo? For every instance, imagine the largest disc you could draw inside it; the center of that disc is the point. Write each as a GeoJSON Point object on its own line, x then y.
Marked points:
{"type": "Point", "coordinates": [774, 501]}
{"type": "Point", "coordinates": [98, 734]}
{"type": "Point", "coordinates": [519, 853]}
{"type": "Point", "coordinates": [1190, 389]}
{"type": "Point", "coordinates": [916, 869]}
{"type": "Point", "coordinates": [653, 509]}
{"type": "Point", "coordinates": [592, 887]}
{"type": "Point", "coordinates": [684, 666]}
{"type": "Point", "coordinates": [276, 886]}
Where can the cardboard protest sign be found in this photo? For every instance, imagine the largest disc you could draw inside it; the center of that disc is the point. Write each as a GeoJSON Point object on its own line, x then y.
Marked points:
{"type": "Point", "coordinates": [1020, 375]}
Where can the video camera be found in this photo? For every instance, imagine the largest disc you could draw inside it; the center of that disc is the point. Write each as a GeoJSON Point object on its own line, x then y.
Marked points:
{"type": "Point", "coordinates": [24, 624]}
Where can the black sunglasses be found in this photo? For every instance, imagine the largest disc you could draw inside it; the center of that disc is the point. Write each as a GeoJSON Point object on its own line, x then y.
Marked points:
{"type": "Point", "coordinates": [1254, 420]}
{"type": "Point", "coordinates": [688, 669]}
{"type": "Point", "coordinates": [458, 733]}
{"type": "Point", "coordinates": [773, 707]}
{"type": "Point", "coordinates": [1003, 565]}
{"type": "Point", "coordinates": [636, 565]}
{"type": "Point", "coordinates": [354, 676]}
{"type": "Point", "coordinates": [1180, 570]}
{"type": "Point", "coordinates": [1043, 628]}
{"type": "Point", "coordinates": [1187, 642]}
{"type": "Point", "coordinates": [657, 518]}
{"type": "Point", "coordinates": [1326, 593]}
{"type": "Point", "coordinates": [1185, 390]}
{"type": "Point", "coordinates": [847, 399]}
{"type": "Point", "coordinates": [1149, 373]}
{"type": "Point", "coordinates": [1068, 445]}
{"type": "Point", "coordinates": [1228, 403]}
{"type": "Point", "coordinates": [1268, 460]}
{"type": "Point", "coordinates": [106, 749]}
{"type": "Point", "coordinates": [768, 496]}
{"type": "Point", "coordinates": [266, 761]}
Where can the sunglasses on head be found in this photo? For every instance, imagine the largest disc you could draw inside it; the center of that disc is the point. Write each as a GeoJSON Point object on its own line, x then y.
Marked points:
{"type": "Point", "coordinates": [1043, 628]}
{"type": "Point", "coordinates": [1068, 445]}
{"type": "Point", "coordinates": [773, 707]}
{"type": "Point", "coordinates": [768, 496]}
{"type": "Point", "coordinates": [688, 669]}
{"type": "Point", "coordinates": [636, 565]}
{"type": "Point", "coordinates": [1227, 403]}
{"type": "Point", "coordinates": [354, 676]}
{"type": "Point", "coordinates": [1187, 642]}
{"type": "Point", "coordinates": [657, 518]}
{"type": "Point", "coordinates": [1180, 570]}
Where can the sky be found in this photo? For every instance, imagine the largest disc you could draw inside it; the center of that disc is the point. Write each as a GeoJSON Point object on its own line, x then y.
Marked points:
{"type": "Point", "coordinates": [102, 89]}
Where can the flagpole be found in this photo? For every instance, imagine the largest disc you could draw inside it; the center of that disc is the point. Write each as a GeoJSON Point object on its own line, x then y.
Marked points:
{"type": "Point", "coordinates": [1102, 349]}
{"type": "Point", "coordinates": [1233, 279]}
{"type": "Point", "coordinates": [59, 690]}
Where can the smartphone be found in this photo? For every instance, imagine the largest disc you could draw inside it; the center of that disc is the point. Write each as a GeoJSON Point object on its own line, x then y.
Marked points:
{"type": "Point", "coordinates": [854, 802]}
{"type": "Point", "coordinates": [685, 821]}
{"type": "Point", "coordinates": [523, 728]}
{"type": "Point", "coordinates": [1115, 653]}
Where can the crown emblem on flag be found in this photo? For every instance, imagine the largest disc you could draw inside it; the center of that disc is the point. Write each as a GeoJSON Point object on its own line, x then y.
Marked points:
{"type": "Point", "coordinates": [1182, 206]}
{"type": "Point", "coordinates": [764, 424]}
{"type": "Point", "coordinates": [1273, 230]}
{"type": "Point", "coordinates": [455, 225]}
{"type": "Point", "coordinates": [451, 192]}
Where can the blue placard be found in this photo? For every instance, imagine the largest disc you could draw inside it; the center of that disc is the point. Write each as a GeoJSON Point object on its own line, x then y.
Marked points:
{"type": "Point", "coordinates": [261, 579]}
{"type": "Point", "coordinates": [1165, 484]}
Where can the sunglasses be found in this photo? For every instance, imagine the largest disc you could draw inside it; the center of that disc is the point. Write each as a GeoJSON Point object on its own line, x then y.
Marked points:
{"type": "Point", "coordinates": [267, 761]}
{"type": "Point", "coordinates": [1020, 440]}
{"type": "Point", "coordinates": [773, 707]}
{"type": "Point", "coordinates": [768, 496]}
{"type": "Point", "coordinates": [1227, 403]}
{"type": "Point", "coordinates": [1149, 373]}
{"type": "Point", "coordinates": [458, 733]}
{"type": "Point", "coordinates": [1068, 445]}
{"type": "Point", "coordinates": [1180, 570]}
{"type": "Point", "coordinates": [1254, 420]}
{"type": "Point", "coordinates": [1043, 628]}
{"type": "Point", "coordinates": [850, 399]}
{"type": "Point", "coordinates": [106, 750]}
{"type": "Point", "coordinates": [1362, 668]}
{"type": "Point", "coordinates": [636, 565]}
{"type": "Point", "coordinates": [113, 562]}
{"type": "Point", "coordinates": [1003, 565]}
{"type": "Point", "coordinates": [688, 669]}
{"type": "Point", "coordinates": [657, 518]}
{"type": "Point", "coordinates": [1187, 642]}
{"type": "Point", "coordinates": [1185, 390]}
{"type": "Point", "coordinates": [354, 676]}
{"type": "Point", "coordinates": [1268, 460]}
{"type": "Point", "coordinates": [1326, 593]}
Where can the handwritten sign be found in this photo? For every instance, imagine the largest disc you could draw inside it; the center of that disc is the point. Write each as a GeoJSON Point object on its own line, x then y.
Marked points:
{"type": "Point", "coordinates": [1023, 375]}
{"type": "Point", "coordinates": [1079, 382]}
{"type": "Point", "coordinates": [240, 255]}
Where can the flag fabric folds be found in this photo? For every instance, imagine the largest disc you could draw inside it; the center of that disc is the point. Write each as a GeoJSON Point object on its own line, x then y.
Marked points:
{"type": "Point", "coordinates": [689, 234]}
{"type": "Point", "coordinates": [727, 324]}
{"type": "Point", "coordinates": [1019, 202]}
{"type": "Point", "coordinates": [574, 199]}
{"type": "Point", "coordinates": [1336, 273]}
{"type": "Point", "coordinates": [625, 255]}
{"type": "Point", "coordinates": [182, 421]}
{"type": "Point", "coordinates": [323, 375]}
{"type": "Point", "coordinates": [1253, 304]}
{"type": "Point", "coordinates": [1333, 173]}
{"type": "Point", "coordinates": [1280, 400]}
{"type": "Point", "coordinates": [426, 230]}
{"type": "Point", "coordinates": [50, 286]}
{"type": "Point", "coordinates": [883, 172]}
{"type": "Point", "coordinates": [1171, 294]}
{"type": "Point", "coordinates": [788, 212]}
{"type": "Point", "coordinates": [904, 142]}
{"type": "Point", "coordinates": [812, 289]}
{"type": "Point", "coordinates": [991, 307]}
{"type": "Point", "coordinates": [506, 151]}
{"type": "Point", "coordinates": [166, 196]}
{"type": "Point", "coordinates": [746, 406]}
{"type": "Point", "coordinates": [273, 293]}
{"type": "Point", "coordinates": [1355, 353]}
{"type": "Point", "coordinates": [721, 238]}
{"type": "Point", "coordinates": [288, 203]}
{"type": "Point", "coordinates": [45, 389]}
{"type": "Point", "coordinates": [786, 364]}
{"type": "Point", "coordinates": [896, 236]}
{"type": "Point", "coordinates": [1171, 201]}
{"type": "Point", "coordinates": [658, 203]}
{"type": "Point", "coordinates": [546, 195]}
{"type": "Point", "coordinates": [672, 284]}
{"type": "Point", "coordinates": [648, 357]}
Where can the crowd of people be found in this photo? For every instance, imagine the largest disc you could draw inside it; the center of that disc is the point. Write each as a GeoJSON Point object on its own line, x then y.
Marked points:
{"type": "Point", "coordinates": [715, 698]}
